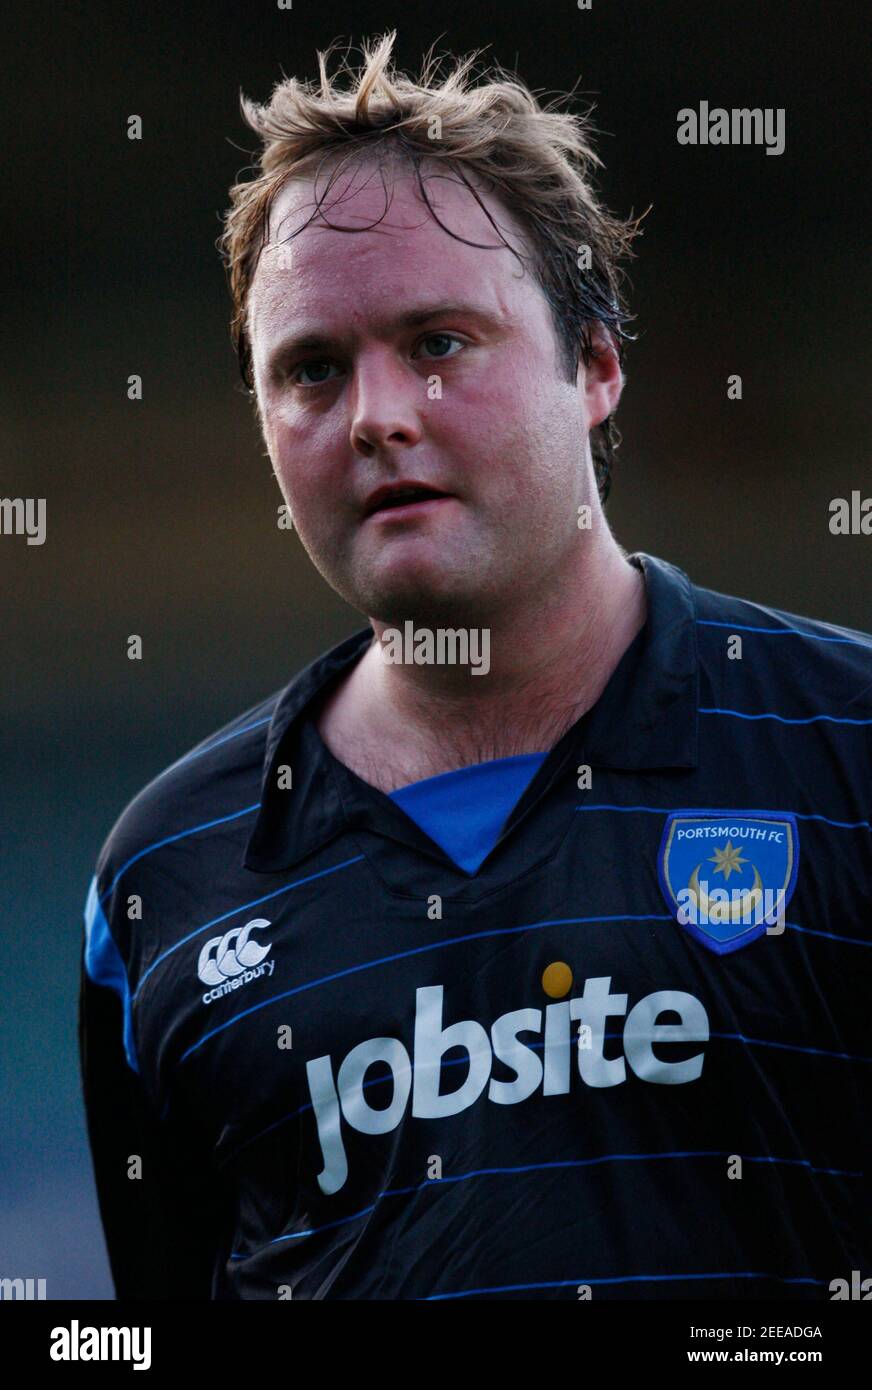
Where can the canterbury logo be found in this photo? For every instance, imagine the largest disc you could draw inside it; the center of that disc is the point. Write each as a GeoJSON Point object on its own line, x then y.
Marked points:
{"type": "Point", "coordinates": [232, 954]}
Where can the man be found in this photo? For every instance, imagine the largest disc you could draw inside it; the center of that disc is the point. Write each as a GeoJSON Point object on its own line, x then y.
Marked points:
{"type": "Point", "coordinates": [519, 947]}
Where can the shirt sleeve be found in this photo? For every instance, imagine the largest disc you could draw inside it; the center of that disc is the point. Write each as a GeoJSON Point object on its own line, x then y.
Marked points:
{"type": "Point", "coordinates": [162, 1228]}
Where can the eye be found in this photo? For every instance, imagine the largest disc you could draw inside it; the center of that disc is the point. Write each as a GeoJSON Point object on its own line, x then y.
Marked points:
{"type": "Point", "coordinates": [443, 338]}
{"type": "Point", "coordinates": [314, 368]}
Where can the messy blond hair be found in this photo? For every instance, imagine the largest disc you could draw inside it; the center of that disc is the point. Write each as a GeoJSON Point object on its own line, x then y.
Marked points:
{"type": "Point", "coordinates": [537, 160]}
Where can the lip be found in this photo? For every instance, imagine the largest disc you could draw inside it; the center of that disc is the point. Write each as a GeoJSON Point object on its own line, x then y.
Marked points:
{"type": "Point", "coordinates": [374, 505]}
{"type": "Point", "coordinates": [407, 510]}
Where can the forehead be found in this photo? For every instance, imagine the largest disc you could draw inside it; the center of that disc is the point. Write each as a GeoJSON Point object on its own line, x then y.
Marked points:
{"type": "Point", "coordinates": [374, 243]}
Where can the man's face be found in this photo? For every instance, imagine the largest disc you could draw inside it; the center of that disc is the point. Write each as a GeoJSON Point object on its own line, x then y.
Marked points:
{"type": "Point", "coordinates": [427, 362]}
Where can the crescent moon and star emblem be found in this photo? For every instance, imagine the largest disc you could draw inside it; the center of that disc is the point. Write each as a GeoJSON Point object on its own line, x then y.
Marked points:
{"type": "Point", "coordinates": [727, 876]}
{"type": "Point", "coordinates": [727, 860]}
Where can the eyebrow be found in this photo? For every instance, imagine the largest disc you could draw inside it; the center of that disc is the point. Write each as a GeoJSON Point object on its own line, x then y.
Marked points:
{"type": "Point", "coordinates": [412, 318]}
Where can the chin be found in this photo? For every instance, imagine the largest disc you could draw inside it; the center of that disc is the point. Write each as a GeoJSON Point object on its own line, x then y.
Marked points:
{"type": "Point", "coordinates": [436, 588]}
{"type": "Point", "coordinates": [428, 599]}
{"type": "Point", "coordinates": [425, 607]}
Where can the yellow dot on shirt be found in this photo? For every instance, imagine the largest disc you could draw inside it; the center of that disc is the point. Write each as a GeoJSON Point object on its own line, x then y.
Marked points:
{"type": "Point", "coordinates": [557, 979]}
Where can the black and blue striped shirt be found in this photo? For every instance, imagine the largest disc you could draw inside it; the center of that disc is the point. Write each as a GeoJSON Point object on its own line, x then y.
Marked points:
{"type": "Point", "coordinates": [354, 1068]}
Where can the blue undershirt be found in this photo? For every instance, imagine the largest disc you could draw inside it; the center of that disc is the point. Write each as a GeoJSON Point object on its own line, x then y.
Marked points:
{"type": "Point", "coordinates": [464, 811]}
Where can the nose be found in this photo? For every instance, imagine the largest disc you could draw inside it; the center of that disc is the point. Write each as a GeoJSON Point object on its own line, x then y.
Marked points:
{"type": "Point", "coordinates": [386, 400]}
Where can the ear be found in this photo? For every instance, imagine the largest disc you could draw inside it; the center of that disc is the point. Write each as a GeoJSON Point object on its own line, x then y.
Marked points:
{"type": "Point", "coordinates": [600, 384]}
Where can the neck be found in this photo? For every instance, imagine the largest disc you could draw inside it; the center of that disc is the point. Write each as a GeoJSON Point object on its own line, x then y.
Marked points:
{"type": "Point", "coordinates": [551, 656]}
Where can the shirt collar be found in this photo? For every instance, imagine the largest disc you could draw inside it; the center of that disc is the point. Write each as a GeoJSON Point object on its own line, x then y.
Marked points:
{"type": "Point", "coordinates": [645, 718]}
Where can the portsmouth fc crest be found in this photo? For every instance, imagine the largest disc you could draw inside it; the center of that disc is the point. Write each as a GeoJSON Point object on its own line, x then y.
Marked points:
{"type": "Point", "coordinates": [727, 876]}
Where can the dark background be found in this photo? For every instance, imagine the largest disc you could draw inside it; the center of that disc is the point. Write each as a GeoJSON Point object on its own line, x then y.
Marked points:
{"type": "Point", "coordinates": [161, 514]}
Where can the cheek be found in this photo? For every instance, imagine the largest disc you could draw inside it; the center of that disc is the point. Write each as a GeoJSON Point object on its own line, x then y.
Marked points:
{"type": "Point", "coordinates": [509, 413]}
{"type": "Point", "coordinates": [306, 459]}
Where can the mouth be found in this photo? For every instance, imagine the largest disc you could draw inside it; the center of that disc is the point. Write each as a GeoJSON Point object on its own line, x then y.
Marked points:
{"type": "Point", "coordinates": [404, 499]}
